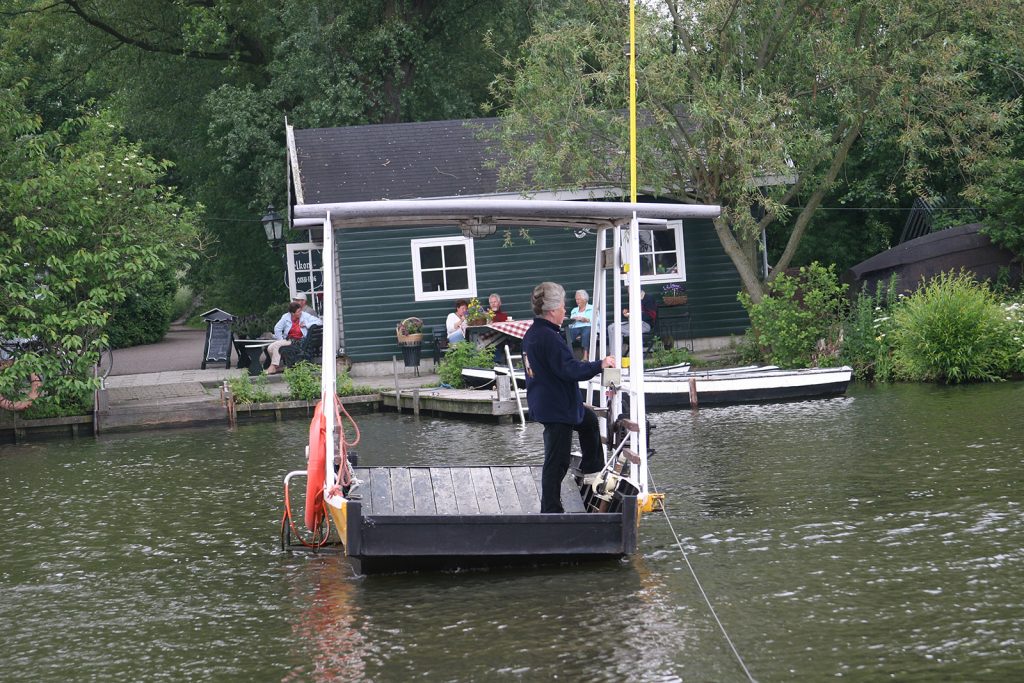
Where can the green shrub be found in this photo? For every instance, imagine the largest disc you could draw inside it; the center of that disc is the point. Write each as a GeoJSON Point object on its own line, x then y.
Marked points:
{"type": "Point", "coordinates": [184, 303]}
{"type": "Point", "coordinates": [255, 325]}
{"type": "Point", "coordinates": [247, 389]}
{"type": "Point", "coordinates": [1014, 312]}
{"type": "Point", "coordinates": [346, 387]}
{"type": "Point", "coordinates": [795, 314]}
{"type": "Point", "coordinates": [145, 315]}
{"type": "Point", "coordinates": [867, 335]}
{"type": "Point", "coordinates": [460, 355]}
{"type": "Point", "coordinates": [661, 357]}
{"type": "Point", "coordinates": [303, 381]}
{"type": "Point", "coordinates": [56, 405]}
{"type": "Point", "coordinates": [954, 330]}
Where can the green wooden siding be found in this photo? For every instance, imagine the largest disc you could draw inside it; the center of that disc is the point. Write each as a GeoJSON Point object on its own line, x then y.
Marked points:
{"type": "Point", "coordinates": [712, 283]}
{"type": "Point", "coordinates": [375, 272]}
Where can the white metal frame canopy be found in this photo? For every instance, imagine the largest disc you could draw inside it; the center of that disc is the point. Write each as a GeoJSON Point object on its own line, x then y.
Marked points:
{"type": "Point", "coordinates": [512, 212]}
{"type": "Point", "coordinates": [607, 218]}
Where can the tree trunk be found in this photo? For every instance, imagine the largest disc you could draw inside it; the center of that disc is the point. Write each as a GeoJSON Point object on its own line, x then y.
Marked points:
{"type": "Point", "coordinates": [747, 268]}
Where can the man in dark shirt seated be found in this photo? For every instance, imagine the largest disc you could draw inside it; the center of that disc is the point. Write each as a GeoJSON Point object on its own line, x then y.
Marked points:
{"type": "Point", "coordinates": [648, 313]}
{"type": "Point", "coordinates": [494, 303]}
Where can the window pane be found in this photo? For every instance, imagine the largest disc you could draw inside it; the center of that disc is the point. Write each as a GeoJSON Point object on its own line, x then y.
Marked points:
{"type": "Point", "coordinates": [433, 280]}
{"type": "Point", "coordinates": [458, 278]}
{"type": "Point", "coordinates": [666, 263]}
{"type": "Point", "coordinates": [646, 241]}
{"type": "Point", "coordinates": [318, 279]}
{"type": "Point", "coordinates": [647, 265]}
{"type": "Point", "coordinates": [317, 258]}
{"type": "Point", "coordinates": [665, 240]}
{"type": "Point", "coordinates": [454, 255]}
{"type": "Point", "coordinates": [430, 257]}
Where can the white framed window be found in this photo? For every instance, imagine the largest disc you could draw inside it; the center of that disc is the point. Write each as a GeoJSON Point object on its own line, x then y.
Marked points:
{"type": "Point", "coordinates": [306, 273]}
{"type": "Point", "coordinates": [661, 254]}
{"type": "Point", "coordinates": [443, 268]}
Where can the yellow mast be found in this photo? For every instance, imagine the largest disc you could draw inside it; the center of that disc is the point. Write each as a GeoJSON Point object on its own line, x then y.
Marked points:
{"type": "Point", "coordinates": [632, 103]}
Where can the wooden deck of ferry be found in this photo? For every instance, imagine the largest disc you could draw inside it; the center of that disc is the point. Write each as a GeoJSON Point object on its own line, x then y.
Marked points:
{"type": "Point", "coordinates": [413, 518]}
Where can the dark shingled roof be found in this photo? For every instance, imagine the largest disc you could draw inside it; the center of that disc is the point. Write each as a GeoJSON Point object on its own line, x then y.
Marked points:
{"type": "Point", "coordinates": [396, 161]}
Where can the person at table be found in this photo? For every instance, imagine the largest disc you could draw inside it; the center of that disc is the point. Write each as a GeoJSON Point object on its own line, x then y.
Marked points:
{"type": "Point", "coordinates": [494, 304]}
{"type": "Point", "coordinates": [648, 312]}
{"type": "Point", "coordinates": [456, 322]}
{"type": "Point", "coordinates": [292, 327]}
{"type": "Point", "coordinates": [300, 298]}
{"type": "Point", "coordinates": [580, 323]}
{"type": "Point", "coordinates": [553, 395]}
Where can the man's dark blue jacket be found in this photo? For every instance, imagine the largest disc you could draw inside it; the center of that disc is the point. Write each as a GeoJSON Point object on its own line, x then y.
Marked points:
{"type": "Point", "coordinates": [553, 375]}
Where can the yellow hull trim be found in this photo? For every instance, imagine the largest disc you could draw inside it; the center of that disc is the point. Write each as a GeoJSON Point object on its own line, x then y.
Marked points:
{"type": "Point", "coordinates": [339, 517]}
{"type": "Point", "coordinates": [653, 502]}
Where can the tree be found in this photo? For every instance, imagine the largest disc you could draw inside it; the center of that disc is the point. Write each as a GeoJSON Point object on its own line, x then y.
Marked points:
{"type": "Point", "coordinates": [755, 104]}
{"type": "Point", "coordinates": [209, 85]}
{"type": "Point", "coordinates": [84, 220]}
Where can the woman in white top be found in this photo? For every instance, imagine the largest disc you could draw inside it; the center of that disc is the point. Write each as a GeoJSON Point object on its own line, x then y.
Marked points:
{"type": "Point", "coordinates": [456, 322]}
{"type": "Point", "coordinates": [579, 327]}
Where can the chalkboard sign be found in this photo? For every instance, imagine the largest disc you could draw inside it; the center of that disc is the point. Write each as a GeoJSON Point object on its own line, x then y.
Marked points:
{"type": "Point", "coordinates": [218, 337]}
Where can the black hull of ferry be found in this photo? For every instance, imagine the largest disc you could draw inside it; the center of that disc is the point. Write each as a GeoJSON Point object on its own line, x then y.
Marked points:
{"type": "Point", "coordinates": [397, 528]}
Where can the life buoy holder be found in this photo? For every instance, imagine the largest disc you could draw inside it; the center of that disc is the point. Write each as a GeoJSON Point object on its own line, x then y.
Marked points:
{"type": "Point", "coordinates": [35, 385]}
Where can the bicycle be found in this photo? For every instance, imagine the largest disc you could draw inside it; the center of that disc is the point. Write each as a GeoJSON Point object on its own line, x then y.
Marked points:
{"type": "Point", "coordinates": [105, 362]}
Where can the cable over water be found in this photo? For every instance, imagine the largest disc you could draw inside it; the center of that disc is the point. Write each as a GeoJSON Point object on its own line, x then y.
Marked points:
{"type": "Point", "coordinates": [707, 600]}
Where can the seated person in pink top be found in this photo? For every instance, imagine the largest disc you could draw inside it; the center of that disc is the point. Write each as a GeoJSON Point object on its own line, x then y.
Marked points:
{"type": "Point", "coordinates": [293, 326]}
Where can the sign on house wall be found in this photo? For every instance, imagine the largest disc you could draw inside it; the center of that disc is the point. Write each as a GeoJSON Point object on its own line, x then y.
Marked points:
{"type": "Point", "coordinates": [306, 273]}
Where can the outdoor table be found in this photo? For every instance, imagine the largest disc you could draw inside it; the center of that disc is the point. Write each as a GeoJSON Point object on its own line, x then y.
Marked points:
{"type": "Point", "coordinates": [249, 353]}
{"type": "Point", "coordinates": [494, 334]}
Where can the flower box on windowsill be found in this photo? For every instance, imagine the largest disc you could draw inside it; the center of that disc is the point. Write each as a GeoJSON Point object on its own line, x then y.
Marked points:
{"type": "Point", "coordinates": [678, 300]}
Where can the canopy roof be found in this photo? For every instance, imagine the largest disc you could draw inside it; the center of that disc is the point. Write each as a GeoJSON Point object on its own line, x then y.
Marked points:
{"type": "Point", "coordinates": [512, 212]}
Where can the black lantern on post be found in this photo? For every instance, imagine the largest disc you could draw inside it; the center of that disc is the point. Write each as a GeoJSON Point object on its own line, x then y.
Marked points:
{"type": "Point", "coordinates": [273, 226]}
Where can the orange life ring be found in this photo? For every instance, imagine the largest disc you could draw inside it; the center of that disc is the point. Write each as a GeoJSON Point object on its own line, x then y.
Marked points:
{"type": "Point", "coordinates": [36, 384]}
{"type": "Point", "coordinates": [316, 468]}
{"type": "Point", "coordinates": [316, 462]}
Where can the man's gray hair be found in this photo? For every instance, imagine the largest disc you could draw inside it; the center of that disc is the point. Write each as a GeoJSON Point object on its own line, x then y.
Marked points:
{"type": "Point", "coordinates": [583, 293]}
{"type": "Point", "coordinates": [547, 296]}
{"type": "Point", "coordinates": [495, 295]}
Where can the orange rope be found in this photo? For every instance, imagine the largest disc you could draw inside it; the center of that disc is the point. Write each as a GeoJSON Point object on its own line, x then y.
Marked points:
{"type": "Point", "coordinates": [287, 519]}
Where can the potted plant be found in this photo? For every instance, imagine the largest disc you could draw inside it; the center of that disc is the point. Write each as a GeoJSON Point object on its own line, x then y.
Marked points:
{"type": "Point", "coordinates": [477, 314]}
{"type": "Point", "coordinates": [409, 331]}
{"type": "Point", "coordinates": [674, 294]}
{"type": "Point", "coordinates": [410, 337]}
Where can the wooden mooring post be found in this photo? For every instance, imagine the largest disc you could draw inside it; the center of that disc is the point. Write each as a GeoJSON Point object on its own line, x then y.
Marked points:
{"type": "Point", "coordinates": [398, 392]}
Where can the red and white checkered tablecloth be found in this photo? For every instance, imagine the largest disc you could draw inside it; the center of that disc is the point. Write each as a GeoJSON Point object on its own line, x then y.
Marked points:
{"type": "Point", "coordinates": [513, 328]}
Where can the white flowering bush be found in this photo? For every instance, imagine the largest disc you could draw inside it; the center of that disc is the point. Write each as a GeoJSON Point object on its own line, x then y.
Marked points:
{"type": "Point", "coordinates": [1014, 313]}
{"type": "Point", "coordinates": [867, 335]}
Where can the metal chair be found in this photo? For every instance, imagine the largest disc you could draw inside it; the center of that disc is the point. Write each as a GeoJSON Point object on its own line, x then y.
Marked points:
{"type": "Point", "coordinates": [308, 349]}
{"type": "Point", "coordinates": [439, 337]}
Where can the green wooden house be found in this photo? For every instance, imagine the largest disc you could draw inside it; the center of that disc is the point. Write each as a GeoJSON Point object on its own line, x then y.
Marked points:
{"type": "Point", "coordinates": [385, 275]}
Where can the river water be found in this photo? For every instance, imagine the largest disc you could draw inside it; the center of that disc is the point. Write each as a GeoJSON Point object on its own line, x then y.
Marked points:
{"type": "Point", "coordinates": [874, 536]}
